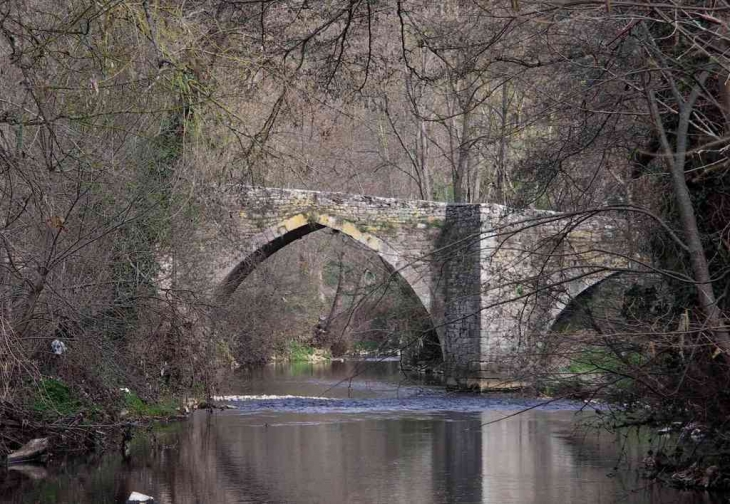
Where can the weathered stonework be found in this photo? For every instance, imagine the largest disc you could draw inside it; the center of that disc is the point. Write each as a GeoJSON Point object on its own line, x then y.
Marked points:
{"type": "Point", "coordinates": [489, 276]}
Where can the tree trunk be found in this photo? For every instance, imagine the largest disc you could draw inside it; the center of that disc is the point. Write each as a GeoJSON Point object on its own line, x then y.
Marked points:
{"type": "Point", "coordinates": [501, 169]}
{"type": "Point", "coordinates": [425, 178]}
{"type": "Point", "coordinates": [461, 175]}
{"type": "Point", "coordinates": [676, 164]}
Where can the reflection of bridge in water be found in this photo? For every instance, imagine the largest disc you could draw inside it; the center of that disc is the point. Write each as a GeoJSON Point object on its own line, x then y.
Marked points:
{"type": "Point", "coordinates": [475, 268]}
{"type": "Point", "coordinates": [447, 457]}
{"type": "Point", "coordinates": [433, 457]}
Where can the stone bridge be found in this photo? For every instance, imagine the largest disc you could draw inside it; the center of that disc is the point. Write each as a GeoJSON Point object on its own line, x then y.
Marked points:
{"type": "Point", "coordinates": [489, 276]}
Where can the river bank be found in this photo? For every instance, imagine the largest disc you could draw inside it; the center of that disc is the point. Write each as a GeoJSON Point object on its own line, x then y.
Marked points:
{"type": "Point", "coordinates": [302, 352]}
{"type": "Point", "coordinates": [62, 422]}
{"type": "Point", "coordinates": [363, 433]}
{"type": "Point", "coordinates": [363, 417]}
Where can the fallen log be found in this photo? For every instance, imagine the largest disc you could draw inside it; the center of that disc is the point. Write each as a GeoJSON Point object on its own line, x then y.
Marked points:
{"type": "Point", "coordinates": [32, 450]}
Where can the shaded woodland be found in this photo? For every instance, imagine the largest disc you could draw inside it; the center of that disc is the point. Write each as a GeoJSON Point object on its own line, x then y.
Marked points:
{"type": "Point", "coordinates": [116, 116]}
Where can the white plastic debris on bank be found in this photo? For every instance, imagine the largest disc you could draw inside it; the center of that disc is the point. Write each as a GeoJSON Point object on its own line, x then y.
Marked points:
{"type": "Point", "coordinates": [137, 498]}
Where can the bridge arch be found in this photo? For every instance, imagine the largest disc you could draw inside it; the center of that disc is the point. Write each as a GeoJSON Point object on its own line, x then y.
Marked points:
{"type": "Point", "coordinates": [576, 293]}
{"type": "Point", "coordinates": [453, 257]}
{"type": "Point", "coordinates": [270, 240]}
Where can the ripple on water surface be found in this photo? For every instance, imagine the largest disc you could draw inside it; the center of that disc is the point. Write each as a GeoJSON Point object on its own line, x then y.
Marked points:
{"type": "Point", "coordinates": [424, 403]}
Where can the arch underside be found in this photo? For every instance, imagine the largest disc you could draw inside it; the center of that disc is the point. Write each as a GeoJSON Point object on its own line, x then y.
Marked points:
{"type": "Point", "coordinates": [573, 301]}
{"type": "Point", "coordinates": [269, 241]}
{"type": "Point", "coordinates": [248, 264]}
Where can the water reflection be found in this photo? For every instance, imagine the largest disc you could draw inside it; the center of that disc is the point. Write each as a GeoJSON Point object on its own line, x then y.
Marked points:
{"type": "Point", "coordinates": [305, 458]}
{"type": "Point", "coordinates": [337, 379]}
{"type": "Point", "coordinates": [366, 457]}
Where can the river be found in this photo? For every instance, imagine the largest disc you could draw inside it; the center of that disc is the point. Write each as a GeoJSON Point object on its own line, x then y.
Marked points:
{"type": "Point", "coordinates": [359, 432]}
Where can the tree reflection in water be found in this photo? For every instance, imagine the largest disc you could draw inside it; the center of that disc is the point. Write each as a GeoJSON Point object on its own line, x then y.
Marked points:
{"type": "Point", "coordinates": [369, 456]}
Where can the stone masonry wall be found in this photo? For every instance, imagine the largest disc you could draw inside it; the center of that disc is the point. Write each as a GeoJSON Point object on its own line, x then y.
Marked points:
{"type": "Point", "coordinates": [488, 275]}
{"type": "Point", "coordinates": [457, 281]}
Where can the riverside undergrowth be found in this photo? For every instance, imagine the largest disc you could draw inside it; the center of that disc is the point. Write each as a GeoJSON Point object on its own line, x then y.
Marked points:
{"type": "Point", "coordinates": [74, 422]}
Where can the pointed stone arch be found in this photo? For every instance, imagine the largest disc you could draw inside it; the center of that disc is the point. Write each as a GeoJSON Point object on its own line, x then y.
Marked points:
{"type": "Point", "coordinates": [462, 261]}
{"type": "Point", "coordinates": [270, 240]}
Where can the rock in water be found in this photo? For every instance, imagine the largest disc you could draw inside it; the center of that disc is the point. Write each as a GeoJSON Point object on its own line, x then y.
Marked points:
{"type": "Point", "coordinates": [33, 449]}
{"type": "Point", "coordinates": [138, 498]}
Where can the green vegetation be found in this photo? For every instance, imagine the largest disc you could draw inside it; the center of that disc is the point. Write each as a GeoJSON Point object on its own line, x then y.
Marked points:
{"type": "Point", "coordinates": [301, 368]}
{"type": "Point", "coordinates": [140, 409]}
{"type": "Point", "coordinates": [55, 398]}
{"type": "Point", "coordinates": [381, 226]}
{"type": "Point", "coordinates": [297, 351]}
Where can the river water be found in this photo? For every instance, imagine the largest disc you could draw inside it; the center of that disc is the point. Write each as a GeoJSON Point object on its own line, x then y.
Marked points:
{"type": "Point", "coordinates": [359, 432]}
